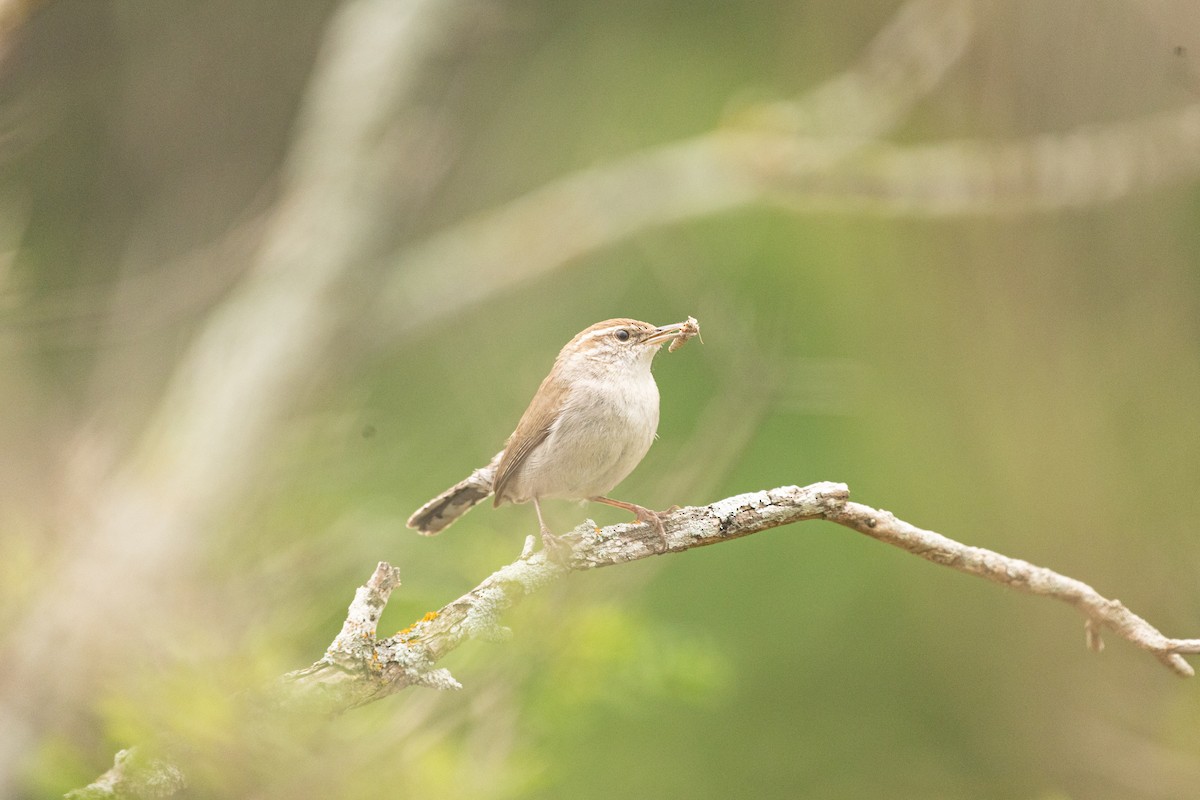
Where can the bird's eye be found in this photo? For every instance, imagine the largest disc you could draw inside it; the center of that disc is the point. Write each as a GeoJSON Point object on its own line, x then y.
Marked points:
{"type": "Point", "coordinates": [623, 335]}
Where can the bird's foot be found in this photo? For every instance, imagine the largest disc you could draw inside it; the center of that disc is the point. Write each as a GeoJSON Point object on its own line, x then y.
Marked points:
{"type": "Point", "coordinates": [655, 520]}
{"type": "Point", "coordinates": [644, 515]}
{"type": "Point", "coordinates": [557, 548]}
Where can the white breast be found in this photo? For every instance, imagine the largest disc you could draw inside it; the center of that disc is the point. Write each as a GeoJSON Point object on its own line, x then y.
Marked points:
{"type": "Point", "coordinates": [604, 431]}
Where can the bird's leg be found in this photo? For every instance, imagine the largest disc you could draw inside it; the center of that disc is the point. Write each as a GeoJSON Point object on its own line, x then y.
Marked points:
{"type": "Point", "coordinates": [652, 518]}
{"type": "Point", "coordinates": [556, 548]}
{"type": "Point", "coordinates": [545, 530]}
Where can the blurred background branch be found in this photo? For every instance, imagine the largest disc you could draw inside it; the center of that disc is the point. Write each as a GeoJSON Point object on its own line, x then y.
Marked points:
{"type": "Point", "coordinates": [710, 174]}
{"type": "Point", "coordinates": [1089, 166]}
{"type": "Point", "coordinates": [238, 378]}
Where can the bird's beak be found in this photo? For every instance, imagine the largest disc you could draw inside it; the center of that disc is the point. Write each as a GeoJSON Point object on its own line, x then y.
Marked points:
{"type": "Point", "coordinates": [664, 333]}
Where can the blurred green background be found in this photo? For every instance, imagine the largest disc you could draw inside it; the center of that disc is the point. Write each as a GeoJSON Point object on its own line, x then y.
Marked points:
{"type": "Point", "coordinates": [1023, 382]}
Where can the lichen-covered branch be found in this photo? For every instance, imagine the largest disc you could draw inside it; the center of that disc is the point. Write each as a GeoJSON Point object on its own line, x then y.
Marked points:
{"type": "Point", "coordinates": [359, 667]}
{"type": "Point", "coordinates": [391, 664]}
{"type": "Point", "coordinates": [477, 613]}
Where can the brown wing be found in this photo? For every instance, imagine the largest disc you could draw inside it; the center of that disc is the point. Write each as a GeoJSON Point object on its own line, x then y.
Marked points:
{"type": "Point", "coordinates": [531, 431]}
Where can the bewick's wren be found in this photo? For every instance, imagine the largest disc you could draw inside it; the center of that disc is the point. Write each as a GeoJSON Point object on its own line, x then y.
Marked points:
{"type": "Point", "coordinates": [590, 423]}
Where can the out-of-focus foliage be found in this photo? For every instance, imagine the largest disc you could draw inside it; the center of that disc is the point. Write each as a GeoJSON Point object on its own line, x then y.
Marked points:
{"type": "Point", "coordinates": [1023, 382]}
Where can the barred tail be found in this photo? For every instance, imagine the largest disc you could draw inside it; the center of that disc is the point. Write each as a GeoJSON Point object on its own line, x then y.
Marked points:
{"type": "Point", "coordinates": [436, 515]}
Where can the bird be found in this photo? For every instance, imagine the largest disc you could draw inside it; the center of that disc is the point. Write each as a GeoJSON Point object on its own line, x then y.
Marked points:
{"type": "Point", "coordinates": [590, 423]}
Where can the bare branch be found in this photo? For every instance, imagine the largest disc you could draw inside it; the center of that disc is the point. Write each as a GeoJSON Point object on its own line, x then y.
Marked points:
{"type": "Point", "coordinates": [388, 665]}
{"type": "Point", "coordinates": [1099, 611]}
{"type": "Point", "coordinates": [359, 668]}
{"type": "Point", "coordinates": [476, 613]}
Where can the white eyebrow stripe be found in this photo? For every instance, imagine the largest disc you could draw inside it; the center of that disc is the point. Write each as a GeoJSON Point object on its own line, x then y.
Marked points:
{"type": "Point", "coordinates": [597, 334]}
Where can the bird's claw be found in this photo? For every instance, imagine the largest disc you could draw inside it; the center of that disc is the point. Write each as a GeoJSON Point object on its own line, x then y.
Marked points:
{"type": "Point", "coordinates": [556, 548]}
{"type": "Point", "coordinates": [655, 520]}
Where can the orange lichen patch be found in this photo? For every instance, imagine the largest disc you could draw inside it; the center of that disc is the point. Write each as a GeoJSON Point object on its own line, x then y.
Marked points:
{"type": "Point", "coordinates": [429, 617]}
